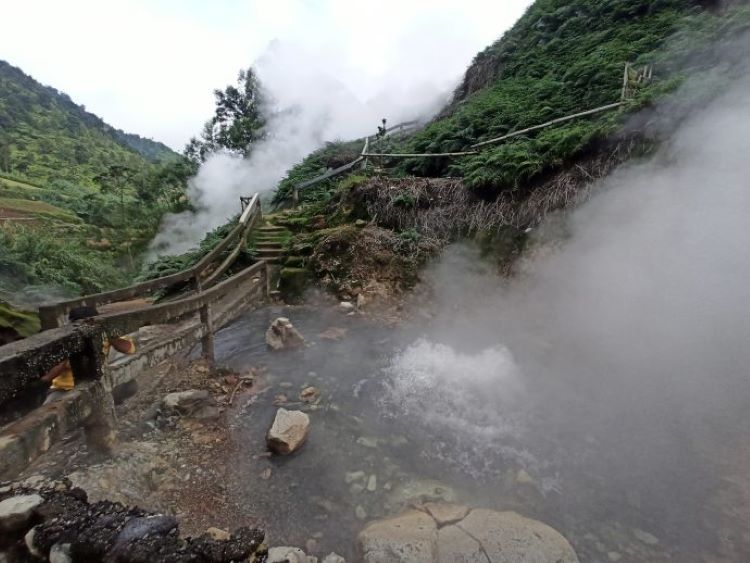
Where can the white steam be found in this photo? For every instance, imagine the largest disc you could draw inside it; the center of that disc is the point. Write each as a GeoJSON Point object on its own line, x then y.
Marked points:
{"type": "Point", "coordinates": [335, 79]}
{"type": "Point", "coordinates": [629, 334]}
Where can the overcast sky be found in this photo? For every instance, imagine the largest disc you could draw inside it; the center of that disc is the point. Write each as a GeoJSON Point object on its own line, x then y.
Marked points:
{"type": "Point", "coordinates": [150, 66]}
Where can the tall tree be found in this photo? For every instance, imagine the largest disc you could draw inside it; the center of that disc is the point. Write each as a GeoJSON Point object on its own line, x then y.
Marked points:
{"type": "Point", "coordinates": [238, 122]}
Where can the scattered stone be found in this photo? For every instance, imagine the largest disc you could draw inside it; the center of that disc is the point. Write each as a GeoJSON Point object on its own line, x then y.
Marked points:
{"type": "Point", "coordinates": [282, 335]}
{"type": "Point", "coordinates": [445, 514]}
{"type": "Point", "coordinates": [280, 399]}
{"type": "Point", "coordinates": [195, 403]}
{"type": "Point", "coordinates": [311, 545]}
{"type": "Point", "coordinates": [309, 394]}
{"type": "Point", "coordinates": [317, 535]}
{"type": "Point", "coordinates": [288, 432]}
{"type": "Point", "coordinates": [218, 534]}
{"type": "Point", "coordinates": [356, 488]}
{"type": "Point", "coordinates": [288, 555]}
{"type": "Point", "coordinates": [16, 512]}
{"type": "Point", "coordinates": [60, 553]}
{"type": "Point", "coordinates": [367, 442]}
{"type": "Point", "coordinates": [333, 333]}
{"type": "Point", "coordinates": [333, 558]}
{"type": "Point", "coordinates": [372, 483]}
{"type": "Point", "coordinates": [454, 544]}
{"type": "Point", "coordinates": [645, 537]}
{"type": "Point", "coordinates": [351, 476]}
{"type": "Point", "coordinates": [286, 385]}
{"type": "Point", "coordinates": [359, 223]}
{"type": "Point", "coordinates": [346, 307]}
{"type": "Point", "coordinates": [266, 474]}
{"type": "Point", "coordinates": [360, 512]}
{"type": "Point", "coordinates": [361, 301]}
{"type": "Point", "coordinates": [614, 556]}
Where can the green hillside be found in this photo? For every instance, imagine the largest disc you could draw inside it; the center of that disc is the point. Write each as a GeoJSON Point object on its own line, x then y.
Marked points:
{"type": "Point", "coordinates": [45, 136]}
{"type": "Point", "coordinates": [79, 199]}
{"type": "Point", "coordinates": [561, 57]}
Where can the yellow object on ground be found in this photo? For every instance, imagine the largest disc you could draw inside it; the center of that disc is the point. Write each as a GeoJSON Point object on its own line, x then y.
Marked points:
{"type": "Point", "coordinates": [66, 382]}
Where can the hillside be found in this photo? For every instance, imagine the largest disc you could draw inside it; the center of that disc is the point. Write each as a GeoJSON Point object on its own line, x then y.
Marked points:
{"type": "Point", "coordinates": [562, 57]}
{"type": "Point", "coordinates": [79, 199]}
{"type": "Point", "coordinates": [44, 135]}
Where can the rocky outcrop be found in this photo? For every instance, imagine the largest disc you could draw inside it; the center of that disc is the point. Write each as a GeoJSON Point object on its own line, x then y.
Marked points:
{"type": "Point", "coordinates": [282, 335]}
{"type": "Point", "coordinates": [446, 533]}
{"type": "Point", "coordinates": [288, 432]}
{"type": "Point", "coordinates": [55, 522]}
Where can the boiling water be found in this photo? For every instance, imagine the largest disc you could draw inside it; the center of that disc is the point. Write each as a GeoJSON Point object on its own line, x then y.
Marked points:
{"type": "Point", "coordinates": [404, 418]}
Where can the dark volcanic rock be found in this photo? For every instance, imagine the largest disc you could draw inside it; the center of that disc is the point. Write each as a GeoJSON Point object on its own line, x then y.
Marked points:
{"type": "Point", "coordinates": [113, 533]}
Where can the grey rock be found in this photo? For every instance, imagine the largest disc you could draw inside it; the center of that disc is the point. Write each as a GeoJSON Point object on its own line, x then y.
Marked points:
{"type": "Point", "coordinates": [60, 553]}
{"type": "Point", "coordinates": [333, 558]}
{"type": "Point", "coordinates": [289, 555]}
{"type": "Point", "coordinates": [479, 536]}
{"type": "Point", "coordinates": [645, 537]}
{"type": "Point", "coordinates": [196, 403]}
{"type": "Point", "coordinates": [411, 536]}
{"type": "Point", "coordinates": [288, 431]}
{"type": "Point", "coordinates": [510, 537]}
{"type": "Point", "coordinates": [282, 335]}
{"type": "Point", "coordinates": [16, 512]}
{"type": "Point", "coordinates": [346, 307]}
{"type": "Point", "coordinates": [372, 483]}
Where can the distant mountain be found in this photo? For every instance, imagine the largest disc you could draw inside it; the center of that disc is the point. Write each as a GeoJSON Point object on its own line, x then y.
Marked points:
{"type": "Point", "coordinates": [44, 135]}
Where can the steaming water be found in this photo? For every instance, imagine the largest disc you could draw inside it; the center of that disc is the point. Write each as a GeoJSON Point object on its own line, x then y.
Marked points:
{"type": "Point", "coordinates": [433, 422]}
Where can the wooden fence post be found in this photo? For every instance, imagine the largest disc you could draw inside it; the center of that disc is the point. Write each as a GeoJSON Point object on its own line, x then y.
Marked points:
{"type": "Point", "coordinates": [100, 427]}
{"type": "Point", "coordinates": [207, 342]}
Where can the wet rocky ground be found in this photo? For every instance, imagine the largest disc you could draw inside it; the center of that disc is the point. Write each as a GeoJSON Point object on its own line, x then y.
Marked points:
{"type": "Point", "coordinates": [373, 451]}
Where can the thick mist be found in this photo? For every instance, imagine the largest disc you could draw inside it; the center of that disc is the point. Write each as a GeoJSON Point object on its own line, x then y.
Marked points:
{"type": "Point", "coordinates": [617, 350]}
{"type": "Point", "coordinates": [328, 82]}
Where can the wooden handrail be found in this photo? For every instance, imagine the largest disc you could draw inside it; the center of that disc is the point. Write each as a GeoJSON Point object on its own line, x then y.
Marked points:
{"type": "Point", "coordinates": [53, 314]}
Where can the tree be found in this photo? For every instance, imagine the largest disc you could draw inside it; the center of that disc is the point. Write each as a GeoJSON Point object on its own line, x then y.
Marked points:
{"type": "Point", "coordinates": [5, 158]}
{"type": "Point", "coordinates": [238, 122]}
{"type": "Point", "coordinates": [116, 180]}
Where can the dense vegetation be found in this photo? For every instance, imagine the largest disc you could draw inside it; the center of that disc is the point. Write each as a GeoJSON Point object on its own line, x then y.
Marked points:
{"type": "Point", "coordinates": [561, 57]}
{"type": "Point", "coordinates": [79, 199]}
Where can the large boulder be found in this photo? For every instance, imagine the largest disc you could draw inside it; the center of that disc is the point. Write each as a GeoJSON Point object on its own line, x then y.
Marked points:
{"type": "Point", "coordinates": [282, 335]}
{"type": "Point", "coordinates": [288, 431]}
{"type": "Point", "coordinates": [411, 536]}
{"type": "Point", "coordinates": [454, 534]}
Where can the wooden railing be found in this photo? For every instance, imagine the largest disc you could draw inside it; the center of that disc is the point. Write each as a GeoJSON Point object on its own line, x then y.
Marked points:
{"type": "Point", "coordinates": [55, 314]}
{"type": "Point", "coordinates": [362, 158]}
{"type": "Point", "coordinates": [197, 315]}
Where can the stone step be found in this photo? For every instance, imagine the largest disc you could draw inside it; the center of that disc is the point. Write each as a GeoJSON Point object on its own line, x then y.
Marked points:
{"type": "Point", "coordinates": [271, 229]}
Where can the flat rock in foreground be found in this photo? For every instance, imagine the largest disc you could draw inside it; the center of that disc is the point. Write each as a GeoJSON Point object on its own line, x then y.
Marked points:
{"type": "Point", "coordinates": [416, 536]}
{"type": "Point", "coordinates": [288, 432]}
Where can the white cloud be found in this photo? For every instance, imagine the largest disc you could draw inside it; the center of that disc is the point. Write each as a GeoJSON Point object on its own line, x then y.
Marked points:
{"type": "Point", "coordinates": [150, 67]}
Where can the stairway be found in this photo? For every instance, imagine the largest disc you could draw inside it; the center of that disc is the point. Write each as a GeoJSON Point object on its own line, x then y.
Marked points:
{"type": "Point", "coordinates": [269, 243]}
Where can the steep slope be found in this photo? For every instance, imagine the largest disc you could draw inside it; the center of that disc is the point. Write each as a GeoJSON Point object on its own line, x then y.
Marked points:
{"type": "Point", "coordinates": [44, 135]}
{"type": "Point", "coordinates": [562, 57]}
{"type": "Point", "coordinates": [79, 199]}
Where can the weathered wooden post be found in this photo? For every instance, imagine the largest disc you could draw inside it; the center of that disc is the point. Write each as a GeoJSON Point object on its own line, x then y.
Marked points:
{"type": "Point", "coordinates": [295, 197]}
{"type": "Point", "coordinates": [89, 365]}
